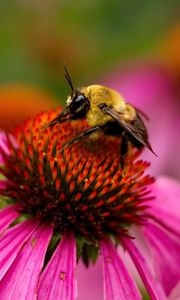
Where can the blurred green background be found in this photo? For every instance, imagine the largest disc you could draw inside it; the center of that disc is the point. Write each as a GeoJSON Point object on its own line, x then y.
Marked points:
{"type": "Point", "coordinates": [37, 36]}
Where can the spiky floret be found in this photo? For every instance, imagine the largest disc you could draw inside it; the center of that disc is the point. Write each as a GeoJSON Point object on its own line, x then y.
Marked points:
{"type": "Point", "coordinates": [84, 189]}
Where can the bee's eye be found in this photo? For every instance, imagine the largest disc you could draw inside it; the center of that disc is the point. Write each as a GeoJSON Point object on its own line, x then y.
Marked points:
{"type": "Point", "coordinates": [78, 103]}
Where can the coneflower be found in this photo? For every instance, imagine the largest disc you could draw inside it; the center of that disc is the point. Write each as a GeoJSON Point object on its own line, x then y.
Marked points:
{"type": "Point", "coordinates": [59, 208]}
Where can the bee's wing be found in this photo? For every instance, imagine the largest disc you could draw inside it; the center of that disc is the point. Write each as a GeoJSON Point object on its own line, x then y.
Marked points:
{"type": "Point", "coordinates": [135, 128]}
{"type": "Point", "coordinates": [141, 113]}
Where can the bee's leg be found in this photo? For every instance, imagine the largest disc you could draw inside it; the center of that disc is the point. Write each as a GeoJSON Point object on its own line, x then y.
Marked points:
{"type": "Point", "coordinates": [124, 148]}
{"type": "Point", "coordinates": [56, 121]}
{"type": "Point", "coordinates": [85, 133]}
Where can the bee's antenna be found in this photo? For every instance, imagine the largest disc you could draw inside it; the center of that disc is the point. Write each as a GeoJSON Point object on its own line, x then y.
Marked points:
{"type": "Point", "coordinates": [68, 78]}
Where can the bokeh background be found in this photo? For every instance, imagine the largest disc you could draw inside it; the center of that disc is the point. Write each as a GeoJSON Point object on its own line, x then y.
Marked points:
{"type": "Point", "coordinates": [130, 45]}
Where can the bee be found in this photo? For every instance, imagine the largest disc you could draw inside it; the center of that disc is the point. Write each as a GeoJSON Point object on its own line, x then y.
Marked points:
{"type": "Point", "coordinates": [105, 111]}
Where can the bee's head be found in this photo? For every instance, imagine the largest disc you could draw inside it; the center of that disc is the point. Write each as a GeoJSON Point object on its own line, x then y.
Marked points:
{"type": "Point", "coordinates": [77, 104]}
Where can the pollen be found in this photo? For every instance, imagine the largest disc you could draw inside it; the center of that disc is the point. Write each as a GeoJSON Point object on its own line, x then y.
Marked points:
{"type": "Point", "coordinates": [83, 189]}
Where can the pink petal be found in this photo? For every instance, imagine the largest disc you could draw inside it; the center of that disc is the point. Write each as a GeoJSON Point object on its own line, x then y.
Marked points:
{"type": "Point", "coordinates": [12, 241]}
{"type": "Point", "coordinates": [166, 253]}
{"type": "Point", "coordinates": [58, 281]}
{"type": "Point", "coordinates": [166, 220]}
{"type": "Point", "coordinates": [20, 282]}
{"type": "Point", "coordinates": [175, 294]}
{"type": "Point", "coordinates": [118, 283]}
{"type": "Point", "coordinates": [167, 191]}
{"type": "Point", "coordinates": [7, 216]}
{"type": "Point", "coordinates": [141, 82]}
{"type": "Point", "coordinates": [3, 143]}
{"type": "Point", "coordinates": [154, 290]}
{"type": "Point", "coordinates": [88, 277]}
{"type": "Point", "coordinates": [165, 209]}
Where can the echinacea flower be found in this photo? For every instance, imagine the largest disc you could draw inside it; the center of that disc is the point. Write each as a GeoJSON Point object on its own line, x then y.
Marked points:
{"type": "Point", "coordinates": [62, 208]}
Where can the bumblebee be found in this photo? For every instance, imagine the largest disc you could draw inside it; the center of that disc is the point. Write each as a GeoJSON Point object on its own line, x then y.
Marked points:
{"type": "Point", "coordinates": [107, 111]}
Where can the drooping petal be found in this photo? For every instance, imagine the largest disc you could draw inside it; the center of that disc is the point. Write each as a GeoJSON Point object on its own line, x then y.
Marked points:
{"type": "Point", "coordinates": [166, 219]}
{"type": "Point", "coordinates": [118, 283]}
{"type": "Point", "coordinates": [12, 241]}
{"type": "Point", "coordinates": [20, 281]}
{"type": "Point", "coordinates": [175, 294]}
{"type": "Point", "coordinates": [4, 143]}
{"type": "Point", "coordinates": [88, 277]}
{"type": "Point", "coordinates": [154, 289]}
{"type": "Point", "coordinates": [167, 191]}
{"type": "Point", "coordinates": [58, 281]}
{"type": "Point", "coordinates": [165, 209]}
{"type": "Point", "coordinates": [166, 254]}
{"type": "Point", "coordinates": [7, 216]}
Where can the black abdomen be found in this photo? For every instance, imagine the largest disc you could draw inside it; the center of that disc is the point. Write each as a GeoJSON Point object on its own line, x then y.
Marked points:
{"type": "Point", "coordinates": [114, 129]}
